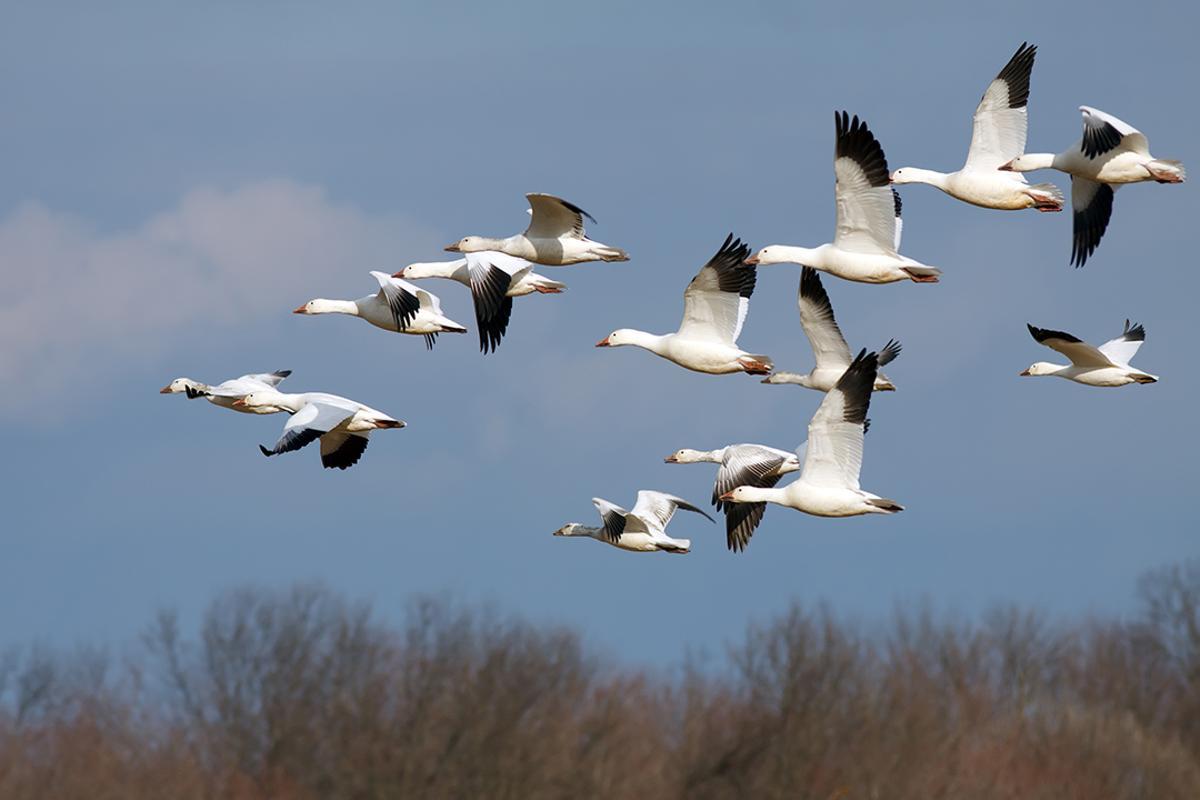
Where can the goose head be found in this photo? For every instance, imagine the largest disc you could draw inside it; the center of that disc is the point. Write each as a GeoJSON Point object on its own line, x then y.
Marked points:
{"type": "Point", "coordinates": [570, 529]}
{"type": "Point", "coordinates": [619, 337]}
{"type": "Point", "coordinates": [468, 244]}
{"type": "Point", "coordinates": [904, 175]}
{"type": "Point", "coordinates": [1041, 368]}
{"type": "Point", "coordinates": [178, 385]}
{"type": "Point", "coordinates": [770, 255]}
{"type": "Point", "coordinates": [685, 456]}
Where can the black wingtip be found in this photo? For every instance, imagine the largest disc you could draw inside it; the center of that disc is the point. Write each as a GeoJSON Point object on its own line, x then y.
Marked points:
{"type": "Point", "coordinates": [282, 373]}
{"type": "Point", "coordinates": [1016, 74]}
{"type": "Point", "coordinates": [1133, 333]}
{"type": "Point", "coordinates": [265, 451]}
{"type": "Point", "coordinates": [733, 273]}
{"type": "Point", "coordinates": [856, 142]}
{"type": "Point", "coordinates": [1042, 335]}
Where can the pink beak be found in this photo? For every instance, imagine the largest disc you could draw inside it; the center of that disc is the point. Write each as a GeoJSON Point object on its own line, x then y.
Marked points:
{"type": "Point", "coordinates": [603, 342]}
{"type": "Point", "coordinates": [239, 403]}
{"type": "Point", "coordinates": [728, 497]}
{"type": "Point", "coordinates": [165, 390]}
{"type": "Point", "coordinates": [452, 248]}
{"type": "Point", "coordinates": [399, 274]}
{"type": "Point", "coordinates": [301, 310]}
{"type": "Point", "coordinates": [752, 261]}
{"type": "Point", "coordinates": [1006, 167]}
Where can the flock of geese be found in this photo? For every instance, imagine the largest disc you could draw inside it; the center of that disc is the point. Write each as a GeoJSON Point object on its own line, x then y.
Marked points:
{"type": "Point", "coordinates": [865, 249]}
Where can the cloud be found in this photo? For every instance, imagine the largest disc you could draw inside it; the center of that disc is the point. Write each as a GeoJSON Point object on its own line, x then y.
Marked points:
{"type": "Point", "coordinates": [78, 300]}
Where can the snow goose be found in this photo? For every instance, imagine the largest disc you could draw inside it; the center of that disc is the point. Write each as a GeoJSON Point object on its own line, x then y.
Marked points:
{"type": "Point", "coordinates": [828, 483]}
{"type": "Point", "coordinates": [866, 240]}
{"type": "Point", "coordinates": [494, 279]}
{"type": "Point", "coordinates": [714, 308]}
{"type": "Point", "coordinates": [998, 136]}
{"type": "Point", "coordinates": [829, 347]}
{"type": "Point", "coordinates": [741, 465]}
{"type": "Point", "coordinates": [641, 530]}
{"type": "Point", "coordinates": [398, 306]}
{"type": "Point", "coordinates": [555, 236]}
{"type": "Point", "coordinates": [224, 394]}
{"type": "Point", "coordinates": [341, 424]}
{"type": "Point", "coordinates": [1106, 365]}
{"type": "Point", "coordinates": [1110, 153]}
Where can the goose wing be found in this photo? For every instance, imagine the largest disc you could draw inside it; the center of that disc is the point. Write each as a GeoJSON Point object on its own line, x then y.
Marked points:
{"type": "Point", "coordinates": [1091, 208]}
{"type": "Point", "coordinates": [653, 511]}
{"type": "Point", "coordinates": [834, 453]}
{"type": "Point", "coordinates": [491, 274]}
{"type": "Point", "coordinates": [1122, 349]}
{"type": "Point", "coordinates": [717, 300]}
{"type": "Point", "coordinates": [1080, 352]}
{"type": "Point", "coordinates": [401, 297]}
{"type": "Point", "coordinates": [1001, 118]}
{"type": "Point", "coordinates": [613, 517]}
{"type": "Point", "coordinates": [745, 465]}
{"type": "Point", "coordinates": [1104, 133]}
{"type": "Point", "coordinates": [554, 218]}
{"type": "Point", "coordinates": [342, 450]}
{"type": "Point", "coordinates": [866, 204]}
{"type": "Point", "coordinates": [314, 419]}
{"type": "Point", "coordinates": [817, 320]}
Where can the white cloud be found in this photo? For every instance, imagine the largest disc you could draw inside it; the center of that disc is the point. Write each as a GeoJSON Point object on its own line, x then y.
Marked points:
{"type": "Point", "coordinates": [77, 300]}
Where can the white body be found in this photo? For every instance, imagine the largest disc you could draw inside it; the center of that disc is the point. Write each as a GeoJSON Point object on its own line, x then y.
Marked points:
{"type": "Point", "coordinates": [555, 237]}
{"type": "Point", "coordinates": [398, 306]}
{"type": "Point", "coordinates": [867, 236]}
{"type": "Point", "coordinates": [641, 530]}
{"type": "Point", "coordinates": [999, 130]}
{"type": "Point", "coordinates": [227, 393]}
{"type": "Point", "coordinates": [1106, 365]}
{"type": "Point", "coordinates": [715, 305]}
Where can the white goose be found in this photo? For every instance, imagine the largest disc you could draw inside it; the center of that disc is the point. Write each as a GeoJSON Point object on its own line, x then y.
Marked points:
{"type": "Point", "coordinates": [1001, 123]}
{"type": "Point", "coordinates": [1106, 365]}
{"type": "Point", "coordinates": [644, 529]}
{"type": "Point", "coordinates": [828, 484]}
{"type": "Point", "coordinates": [226, 393]}
{"type": "Point", "coordinates": [741, 465]}
{"type": "Point", "coordinates": [715, 304]}
{"type": "Point", "coordinates": [398, 306]}
{"type": "Point", "coordinates": [555, 236]}
{"type": "Point", "coordinates": [865, 243]}
{"type": "Point", "coordinates": [494, 279]}
{"type": "Point", "coordinates": [830, 350]}
{"type": "Point", "coordinates": [341, 424]}
{"type": "Point", "coordinates": [1110, 153]}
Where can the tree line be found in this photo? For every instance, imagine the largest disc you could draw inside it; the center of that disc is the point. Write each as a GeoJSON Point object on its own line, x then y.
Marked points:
{"type": "Point", "coordinates": [300, 694]}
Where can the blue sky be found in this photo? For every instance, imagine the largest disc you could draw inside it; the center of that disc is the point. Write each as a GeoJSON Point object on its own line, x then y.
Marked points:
{"type": "Point", "coordinates": [180, 176]}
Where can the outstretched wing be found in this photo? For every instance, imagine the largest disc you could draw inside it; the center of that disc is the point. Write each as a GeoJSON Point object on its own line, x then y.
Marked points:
{"type": "Point", "coordinates": [1122, 349]}
{"type": "Point", "coordinates": [835, 434]}
{"type": "Point", "coordinates": [401, 297]}
{"type": "Point", "coordinates": [1091, 207]}
{"type": "Point", "coordinates": [1001, 118]}
{"type": "Point", "coordinates": [612, 516]}
{"type": "Point", "coordinates": [313, 420]}
{"type": "Point", "coordinates": [1104, 133]}
{"type": "Point", "coordinates": [490, 280]}
{"type": "Point", "coordinates": [342, 450]}
{"type": "Point", "coordinates": [745, 465]}
{"type": "Point", "coordinates": [866, 204]}
{"type": "Point", "coordinates": [818, 323]}
{"type": "Point", "coordinates": [653, 511]}
{"type": "Point", "coordinates": [717, 300]}
{"type": "Point", "coordinates": [1080, 352]}
{"type": "Point", "coordinates": [554, 218]}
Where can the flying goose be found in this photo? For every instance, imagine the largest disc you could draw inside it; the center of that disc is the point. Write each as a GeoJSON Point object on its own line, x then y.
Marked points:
{"type": "Point", "coordinates": [642, 530]}
{"type": "Point", "coordinates": [1106, 365]}
{"type": "Point", "coordinates": [555, 236]}
{"type": "Point", "coordinates": [828, 483]}
{"type": "Point", "coordinates": [225, 393]}
{"type": "Point", "coordinates": [341, 424]}
{"type": "Point", "coordinates": [865, 243]}
{"type": "Point", "coordinates": [714, 307]}
{"type": "Point", "coordinates": [829, 347]}
{"type": "Point", "coordinates": [1110, 153]}
{"type": "Point", "coordinates": [741, 465]}
{"type": "Point", "coordinates": [1001, 123]}
{"type": "Point", "coordinates": [398, 306]}
{"type": "Point", "coordinates": [494, 279]}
